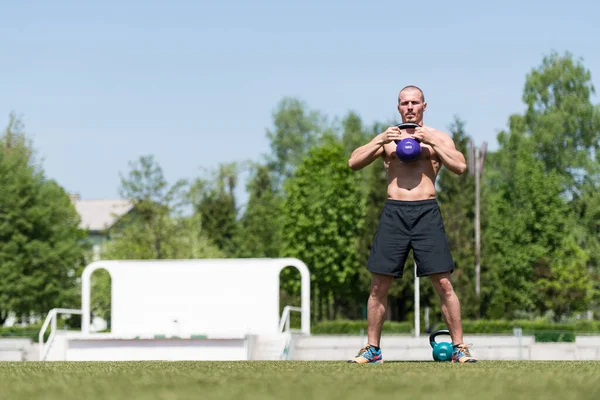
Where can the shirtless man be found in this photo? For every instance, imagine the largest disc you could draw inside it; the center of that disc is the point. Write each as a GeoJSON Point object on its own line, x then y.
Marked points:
{"type": "Point", "coordinates": [411, 219]}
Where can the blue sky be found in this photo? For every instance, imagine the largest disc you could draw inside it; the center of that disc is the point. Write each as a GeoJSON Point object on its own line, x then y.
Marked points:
{"type": "Point", "coordinates": [194, 83]}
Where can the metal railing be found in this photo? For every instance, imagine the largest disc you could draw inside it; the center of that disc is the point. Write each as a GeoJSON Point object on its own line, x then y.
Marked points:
{"type": "Point", "coordinates": [284, 322]}
{"type": "Point", "coordinates": [284, 327]}
{"type": "Point", "coordinates": [51, 320]}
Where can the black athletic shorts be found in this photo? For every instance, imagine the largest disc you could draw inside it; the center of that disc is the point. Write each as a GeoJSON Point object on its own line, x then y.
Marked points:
{"type": "Point", "coordinates": [406, 225]}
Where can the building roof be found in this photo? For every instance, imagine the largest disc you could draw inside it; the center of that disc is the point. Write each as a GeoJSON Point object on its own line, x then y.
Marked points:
{"type": "Point", "coordinates": [98, 215]}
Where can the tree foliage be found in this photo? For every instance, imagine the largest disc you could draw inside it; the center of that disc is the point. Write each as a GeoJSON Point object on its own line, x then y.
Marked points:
{"type": "Point", "coordinates": [156, 228]}
{"type": "Point", "coordinates": [213, 201]}
{"type": "Point", "coordinates": [260, 228]}
{"type": "Point", "coordinates": [561, 116]}
{"type": "Point", "coordinates": [456, 195]}
{"type": "Point", "coordinates": [41, 245]}
{"type": "Point", "coordinates": [530, 232]}
{"type": "Point", "coordinates": [322, 215]}
{"type": "Point", "coordinates": [296, 129]}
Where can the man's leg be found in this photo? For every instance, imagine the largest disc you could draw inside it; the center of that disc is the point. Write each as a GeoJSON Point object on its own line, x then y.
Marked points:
{"type": "Point", "coordinates": [376, 310]}
{"type": "Point", "coordinates": [434, 259]}
{"type": "Point", "coordinates": [390, 248]}
{"type": "Point", "coordinates": [450, 305]}
{"type": "Point", "coordinates": [451, 313]}
{"type": "Point", "coordinates": [377, 306]}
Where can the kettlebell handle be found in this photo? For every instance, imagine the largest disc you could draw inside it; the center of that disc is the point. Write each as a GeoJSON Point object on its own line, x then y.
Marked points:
{"type": "Point", "coordinates": [408, 125]}
{"type": "Point", "coordinates": [434, 334]}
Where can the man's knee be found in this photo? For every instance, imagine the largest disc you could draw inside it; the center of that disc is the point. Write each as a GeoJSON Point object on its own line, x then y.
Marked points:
{"type": "Point", "coordinates": [442, 284]}
{"type": "Point", "coordinates": [380, 285]}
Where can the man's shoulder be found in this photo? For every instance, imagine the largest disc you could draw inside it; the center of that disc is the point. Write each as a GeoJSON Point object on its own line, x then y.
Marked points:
{"type": "Point", "coordinates": [436, 130]}
{"type": "Point", "coordinates": [442, 134]}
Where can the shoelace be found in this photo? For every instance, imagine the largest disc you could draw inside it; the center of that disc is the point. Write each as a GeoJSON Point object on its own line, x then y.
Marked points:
{"type": "Point", "coordinates": [364, 349]}
{"type": "Point", "coordinates": [464, 348]}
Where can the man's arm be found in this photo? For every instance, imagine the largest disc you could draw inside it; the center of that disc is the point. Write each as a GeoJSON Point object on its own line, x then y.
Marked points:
{"type": "Point", "coordinates": [366, 154]}
{"type": "Point", "coordinates": [444, 146]}
{"type": "Point", "coordinates": [453, 159]}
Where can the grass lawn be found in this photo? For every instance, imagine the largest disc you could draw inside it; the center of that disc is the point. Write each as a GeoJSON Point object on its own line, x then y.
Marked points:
{"type": "Point", "coordinates": [304, 380]}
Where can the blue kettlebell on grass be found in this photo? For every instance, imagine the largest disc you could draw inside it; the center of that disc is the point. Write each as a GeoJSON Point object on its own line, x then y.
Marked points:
{"type": "Point", "coordinates": [442, 351]}
{"type": "Point", "coordinates": [408, 149]}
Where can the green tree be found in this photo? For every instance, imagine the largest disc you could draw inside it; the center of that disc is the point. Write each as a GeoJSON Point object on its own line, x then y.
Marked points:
{"type": "Point", "coordinates": [296, 130]}
{"type": "Point", "coordinates": [456, 195]}
{"type": "Point", "coordinates": [41, 246]}
{"type": "Point", "coordinates": [563, 286]}
{"type": "Point", "coordinates": [354, 133]}
{"type": "Point", "coordinates": [561, 116]}
{"type": "Point", "coordinates": [322, 215]}
{"type": "Point", "coordinates": [528, 224]}
{"type": "Point", "coordinates": [259, 233]}
{"type": "Point", "coordinates": [155, 229]}
{"type": "Point", "coordinates": [586, 209]}
{"type": "Point", "coordinates": [548, 194]}
{"type": "Point", "coordinates": [214, 201]}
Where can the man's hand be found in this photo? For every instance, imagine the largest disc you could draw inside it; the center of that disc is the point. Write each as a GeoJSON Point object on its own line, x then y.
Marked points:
{"type": "Point", "coordinates": [444, 147]}
{"type": "Point", "coordinates": [423, 135]}
{"type": "Point", "coordinates": [390, 134]}
{"type": "Point", "coordinates": [366, 154]}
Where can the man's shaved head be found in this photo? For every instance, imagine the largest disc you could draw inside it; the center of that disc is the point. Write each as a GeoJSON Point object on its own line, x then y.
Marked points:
{"type": "Point", "coordinates": [411, 104]}
{"type": "Point", "coordinates": [414, 88]}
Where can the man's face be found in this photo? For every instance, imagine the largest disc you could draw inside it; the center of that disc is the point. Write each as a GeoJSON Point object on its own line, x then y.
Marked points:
{"type": "Point", "coordinates": [411, 105]}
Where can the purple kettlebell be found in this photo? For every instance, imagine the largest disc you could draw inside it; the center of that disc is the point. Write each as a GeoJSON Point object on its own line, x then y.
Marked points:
{"type": "Point", "coordinates": [408, 149]}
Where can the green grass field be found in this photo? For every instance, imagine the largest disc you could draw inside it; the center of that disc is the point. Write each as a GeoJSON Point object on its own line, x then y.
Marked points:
{"type": "Point", "coordinates": [299, 380]}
